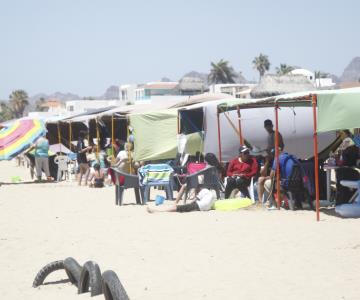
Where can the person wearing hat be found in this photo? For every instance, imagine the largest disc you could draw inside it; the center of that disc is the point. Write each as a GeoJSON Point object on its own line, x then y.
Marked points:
{"type": "Point", "coordinates": [269, 127]}
{"type": "Point", "coordinates": [240, 172]}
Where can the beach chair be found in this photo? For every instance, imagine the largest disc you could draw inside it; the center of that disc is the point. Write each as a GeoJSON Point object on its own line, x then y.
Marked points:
{"type": "Point", "coordinates": [125, 181]}
{"type": "Point", "coordinates": [208, 177]}
{"type": "Point", "coordinates": [156, 175]}
{"type": "Point", "coordinates": [62, 162]}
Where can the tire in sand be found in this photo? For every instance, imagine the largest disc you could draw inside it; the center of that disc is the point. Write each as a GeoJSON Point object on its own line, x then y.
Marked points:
{"type": "Point", "coordinates": [112, 287]}
{"type": "Point", "coordinates": [45, 271]}
{"type": "Point", "coordinates": [73, 270]}
{"type": "Point", "coordinates": [90, 279]}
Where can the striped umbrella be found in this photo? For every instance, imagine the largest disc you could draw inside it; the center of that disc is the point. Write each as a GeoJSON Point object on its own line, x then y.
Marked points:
{"type": "Point", "coordinates": [18, 136]}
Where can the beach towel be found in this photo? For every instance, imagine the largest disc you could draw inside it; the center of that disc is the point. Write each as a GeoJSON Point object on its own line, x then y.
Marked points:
{"type": "Point", "coordinates": [155, 174]}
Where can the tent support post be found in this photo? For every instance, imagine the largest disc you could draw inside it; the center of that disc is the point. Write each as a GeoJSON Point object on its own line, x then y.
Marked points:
{"type": "Point", "coordinates": [178, 122]}
{"type": "Point", "coordinates": [59, 134]}
{"type": "Point", "coordinates": [112, 136]}
{"type": "Point", "coordinates": [316, 157]}
{"type": "Point", "coordinates": [219, 136]}
{"type": "Point", "coordinates": [277, 155]}
{"type": "Point", "coordinates": [240, 129]}
{"type": "Point", "coordinates": [128, 140]}
{"type": "Point", "coordinates": [97, 139]}
{"type": "Point", "coordinates": [70, 135]}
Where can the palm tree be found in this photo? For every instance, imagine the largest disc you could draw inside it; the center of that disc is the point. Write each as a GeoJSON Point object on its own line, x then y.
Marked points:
{"type": "Point", "coordinates": [221, 72]}
{"type": "Point", "coordinates": [262, 64]}
{"type": "Point", "coordinates": [40, 104]}
{"type": "Point", "coordinates": [284, 69]}
{"type": "Point", "coordinates": [18, 102]}
{"type": "Point", "coordinates": [5, 112]}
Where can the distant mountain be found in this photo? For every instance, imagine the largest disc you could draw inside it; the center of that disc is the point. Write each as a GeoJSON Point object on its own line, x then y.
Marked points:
{"type": "Point", "coordinates": [58, 95]}
{"type": "Point", "coordinates": [352, 71]}
{"type": "Point", "coordinates": [112, 92]}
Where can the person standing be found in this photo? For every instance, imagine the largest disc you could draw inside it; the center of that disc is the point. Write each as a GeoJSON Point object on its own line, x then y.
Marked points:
{"type": "Point", "coordinates": [82, 149]}
{"type": "Point", "coordinates": [269, 127]}
{"type": "Point", "coordinates": [42, 157]}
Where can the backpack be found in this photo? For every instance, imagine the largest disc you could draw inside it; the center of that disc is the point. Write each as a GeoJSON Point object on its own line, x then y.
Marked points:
{"type": "Point", "coordinates": [294, 180]}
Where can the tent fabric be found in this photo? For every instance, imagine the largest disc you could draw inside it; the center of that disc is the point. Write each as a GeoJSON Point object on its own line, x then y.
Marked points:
{"type": "Point", "coordinates": [338, 111]}
{"type": "Point", "coordinates": [155, 135]}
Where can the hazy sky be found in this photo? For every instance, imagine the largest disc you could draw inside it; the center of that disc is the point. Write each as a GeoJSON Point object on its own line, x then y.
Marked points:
{"type": "Point", "coordinates": [83, 46]}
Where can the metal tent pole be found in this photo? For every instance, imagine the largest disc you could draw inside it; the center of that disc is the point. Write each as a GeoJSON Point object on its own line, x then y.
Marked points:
{"type": "Point", "coordinates": [219, 136]}
{"type": "Point", "coordinates": [316, 156]}
{"type": "Point", "coordinates": [277, 156]}
{"type": "Point", "coordinates": [112, 136]}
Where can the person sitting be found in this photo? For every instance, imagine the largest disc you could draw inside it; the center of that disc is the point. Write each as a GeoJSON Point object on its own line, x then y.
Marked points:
{"type": "Point", "coordinates": [203, 201]}
{"type": "Point", "coordinates": [240, 171]}
{"type": "Point", "coordinates": [349, 155]}
{"type": "Point", "coordinates": [123, 158]}
{"type": "Point", "coordinates": [97, 177]}
{"type": "Point", "coordinates": [286, 166]}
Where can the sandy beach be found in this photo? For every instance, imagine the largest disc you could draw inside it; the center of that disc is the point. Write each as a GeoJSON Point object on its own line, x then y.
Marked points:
{"type": "Point", "coordinates": [248, 254]}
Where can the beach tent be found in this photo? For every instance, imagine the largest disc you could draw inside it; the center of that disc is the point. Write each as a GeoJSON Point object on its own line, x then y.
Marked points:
{"type": "Point", "coordinates": [331, 110]}
{"type": "Point", "coordinates": [204, 117]}
{"type": "Point", "coordinates": [294, 123]}
{"type": "Point", "coordinates": [155, 134]}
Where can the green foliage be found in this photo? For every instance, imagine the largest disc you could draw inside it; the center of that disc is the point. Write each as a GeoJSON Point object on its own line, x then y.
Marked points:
{"type": "Point", "coordinates": [284, 69]}
{"type": "Point", "coordinates": [18, 102]}
{"type": "Point", "coordinates": [5, 112]}
{"type": "Point", "coordinates": [221, 72]}
{"type": "Point", "coordinates": [261, 63]}
{"type": "Point", "coordinates": [40, 105]}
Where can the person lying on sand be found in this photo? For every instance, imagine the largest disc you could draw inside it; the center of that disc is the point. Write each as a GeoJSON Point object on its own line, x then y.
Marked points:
{"type": "Point", "coordinates": [203, 201]}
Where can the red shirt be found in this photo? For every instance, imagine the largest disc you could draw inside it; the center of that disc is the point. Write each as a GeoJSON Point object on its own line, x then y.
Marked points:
{"type": "Point", "coordinates": [248, 168]}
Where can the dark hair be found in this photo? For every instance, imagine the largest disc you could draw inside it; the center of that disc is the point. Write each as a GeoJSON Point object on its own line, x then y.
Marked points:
{"type": "Point", "coordinates": [268, 122]}
{"type": "Point", "coordinates": [212, 160]}
{"type": "Point", "coordinates": [97, 167]}
{"type": "Point", "coordinates": [82, 134]}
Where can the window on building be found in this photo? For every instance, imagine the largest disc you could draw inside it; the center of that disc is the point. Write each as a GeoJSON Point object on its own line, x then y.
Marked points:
{"type": "Point", "coordinates": [71, 107]}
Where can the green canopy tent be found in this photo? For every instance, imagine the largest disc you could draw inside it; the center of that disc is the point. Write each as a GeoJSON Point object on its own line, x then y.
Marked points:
{"type": "Point", "coordinates": [332, 110]}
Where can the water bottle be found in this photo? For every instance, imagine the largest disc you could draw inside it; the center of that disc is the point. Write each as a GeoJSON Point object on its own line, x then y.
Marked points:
{"type": "Point", "coordinates": [331, 161]}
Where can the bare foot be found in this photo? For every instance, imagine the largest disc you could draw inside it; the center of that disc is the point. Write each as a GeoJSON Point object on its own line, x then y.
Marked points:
{"type": "Point", "coordinates": [150, 210]}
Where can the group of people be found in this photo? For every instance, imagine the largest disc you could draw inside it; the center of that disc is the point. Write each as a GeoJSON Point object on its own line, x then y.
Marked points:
{"type": "Point", "coordinates": [239, 173]}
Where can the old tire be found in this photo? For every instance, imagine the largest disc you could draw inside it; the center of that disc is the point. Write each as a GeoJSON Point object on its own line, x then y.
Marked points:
{"type": "Point", "coordinates": [90, 279]}
{"type": "Point", "coordinates": [45, 271]}
{"type": "Point", "coordinates": [73, 270]}
{"type": "Point", "coordinates": [112, 287]}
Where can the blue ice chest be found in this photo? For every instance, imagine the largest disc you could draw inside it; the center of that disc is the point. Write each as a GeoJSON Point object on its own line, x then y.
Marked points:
{"type": "Point", "coordinates": [159, 200]}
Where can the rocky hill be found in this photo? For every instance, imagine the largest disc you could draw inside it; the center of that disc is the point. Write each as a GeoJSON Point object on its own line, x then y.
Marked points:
{"type": "Point", "coordinates": [352, 71]}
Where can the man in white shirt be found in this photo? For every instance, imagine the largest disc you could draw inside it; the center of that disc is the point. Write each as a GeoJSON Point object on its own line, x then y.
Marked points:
{"type": "Point", "coordinates": [203, 201]}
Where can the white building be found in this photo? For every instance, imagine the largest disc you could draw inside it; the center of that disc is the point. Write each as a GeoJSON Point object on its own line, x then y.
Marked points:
{"type": "Point", "coordinates": [317, 82]}
{"type": "Point", "coordinates": [81, 106]}
{"type": "Point", "coordinates": [237, 90]}
{"type": "Point", "coordinates": [127, 93]}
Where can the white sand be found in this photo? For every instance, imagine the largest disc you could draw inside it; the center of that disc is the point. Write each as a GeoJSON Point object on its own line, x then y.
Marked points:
{"type": "Point", "coordinates": [247, 254]}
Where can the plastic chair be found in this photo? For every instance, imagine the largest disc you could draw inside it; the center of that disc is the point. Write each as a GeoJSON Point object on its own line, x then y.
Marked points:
{"type": "Point", "coordinates": [208, 177]}
{"type": "Point", "coordinates": [62, 162]}
{"type": "Point", "coordinates": [156, 175]}
{"type": "Point", "coordinates": [125, 181]}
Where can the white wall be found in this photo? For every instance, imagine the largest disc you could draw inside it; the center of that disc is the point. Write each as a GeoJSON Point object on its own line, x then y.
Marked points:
{"type": "Point", "coordinates": [80, 106]}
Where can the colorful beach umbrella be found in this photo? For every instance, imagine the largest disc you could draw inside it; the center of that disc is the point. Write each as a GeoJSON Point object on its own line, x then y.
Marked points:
{"type": "Point", "coordinates": [19, 136]}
